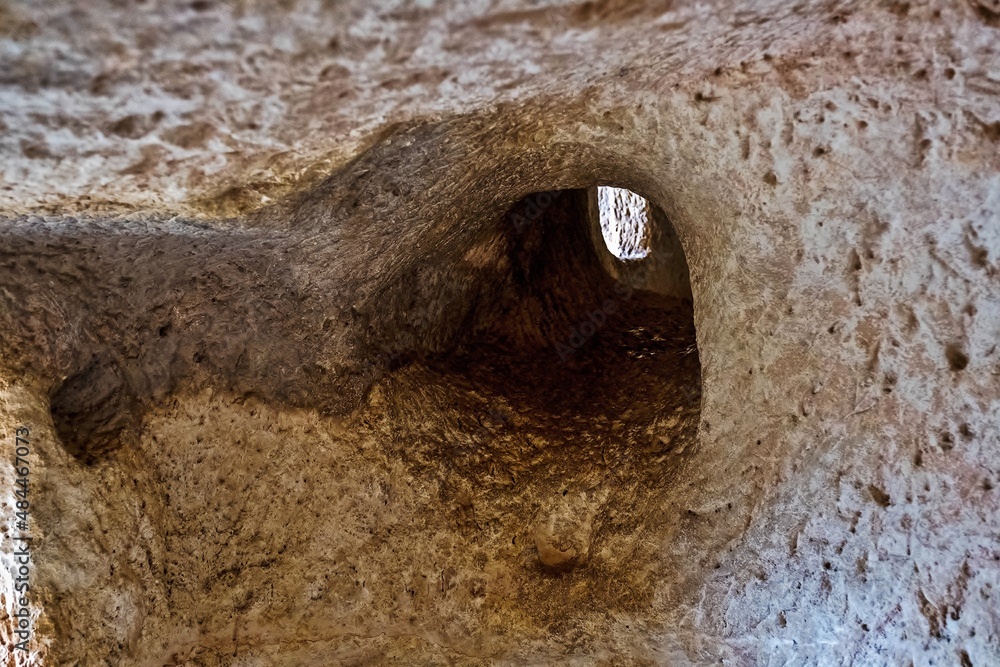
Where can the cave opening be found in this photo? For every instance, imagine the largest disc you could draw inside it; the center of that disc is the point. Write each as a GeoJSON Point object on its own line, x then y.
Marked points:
{"type": "Point", "coordinates": [566, 409]}
{"type": "Point", "coordinates": [595, 293]}
{"type": "Point", "coordinates": [625, 222]}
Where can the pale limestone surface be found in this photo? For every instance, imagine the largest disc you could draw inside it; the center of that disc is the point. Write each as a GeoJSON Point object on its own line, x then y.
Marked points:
{"type": "Point", "coordinates": [625, 219]}
{"type": "Point", "coordinates": [306, 482]}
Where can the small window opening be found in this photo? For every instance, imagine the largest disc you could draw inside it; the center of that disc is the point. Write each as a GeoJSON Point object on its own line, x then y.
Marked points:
{"type": "Point", "coordinates": [637, 243]}
{"type": "Point", "coordinates": [625, 225]}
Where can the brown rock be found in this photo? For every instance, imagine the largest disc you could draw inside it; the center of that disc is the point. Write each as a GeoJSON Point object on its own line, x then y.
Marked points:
{"type": "Point", "coordinates": [317, 356]}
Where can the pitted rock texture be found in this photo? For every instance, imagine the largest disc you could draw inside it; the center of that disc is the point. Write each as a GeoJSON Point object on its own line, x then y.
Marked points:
{"type": "Point", "coordinates": [314, 378]}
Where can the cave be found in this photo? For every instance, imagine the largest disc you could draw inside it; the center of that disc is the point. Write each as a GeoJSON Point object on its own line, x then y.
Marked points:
{"type": "Point", "coordinates": [534, 408]}
{"type": "Point", "coordinates": [518, 333]}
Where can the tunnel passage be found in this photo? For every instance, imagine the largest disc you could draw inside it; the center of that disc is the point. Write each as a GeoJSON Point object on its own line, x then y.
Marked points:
{"type": "Point", "coordinates": [563, 308]}
{"type": "Point", "coordinates": [563, 414]}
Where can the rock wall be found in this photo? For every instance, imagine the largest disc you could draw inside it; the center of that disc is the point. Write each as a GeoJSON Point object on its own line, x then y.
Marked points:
{"type": "Point", "coordinates": [304, 381]}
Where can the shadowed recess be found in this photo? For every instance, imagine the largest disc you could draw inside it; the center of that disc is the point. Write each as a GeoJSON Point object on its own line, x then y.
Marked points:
{"type": "Point", "coordinates": [533, 417]}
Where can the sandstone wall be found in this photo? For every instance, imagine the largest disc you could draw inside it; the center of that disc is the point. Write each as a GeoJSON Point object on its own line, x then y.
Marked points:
{"type": "Point", "coordinates": [291, 371]}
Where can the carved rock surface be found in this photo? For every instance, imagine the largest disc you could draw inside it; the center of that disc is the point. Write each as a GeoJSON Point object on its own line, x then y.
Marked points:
{"type": "Point", "coordinates": [302, 307]}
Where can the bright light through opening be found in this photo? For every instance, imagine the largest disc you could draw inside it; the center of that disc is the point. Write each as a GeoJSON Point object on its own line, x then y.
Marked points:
{"type": "Point", "coordinates": [624, 222]}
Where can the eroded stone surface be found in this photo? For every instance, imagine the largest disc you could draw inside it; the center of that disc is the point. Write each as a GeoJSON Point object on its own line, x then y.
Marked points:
{"type": "Point", "coordinates": [278, 238]}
